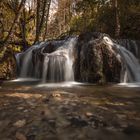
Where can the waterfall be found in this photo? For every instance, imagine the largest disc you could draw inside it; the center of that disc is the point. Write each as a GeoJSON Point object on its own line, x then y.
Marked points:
{"type": "Point", "coordinates": [52, 61]}
{"type": "Point", "coordinates": [130, 65]}
{"type": "Point", "coordinates": [56, 65]}
{"type": "Point", "coordinates": [25, 65]}
{"type": "Point", "coordinates": [45, 69]}
{"type": "Point", "coordinates": [131, 45]}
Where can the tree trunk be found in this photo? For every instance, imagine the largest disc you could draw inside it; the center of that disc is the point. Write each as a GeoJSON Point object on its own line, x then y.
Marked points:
{"type": "Point", "coordinates": [23, 29]}
{"type": "Point", "coordinates": [14, 21]}
{"type": "Point", "coordinates": [46, 24]}
{"type": "Point", "coordinates": [41, 14]}
{"type": "Point", "coordinates": [37, 21]}
{"type": "Point", "coordinates": [117, 19]}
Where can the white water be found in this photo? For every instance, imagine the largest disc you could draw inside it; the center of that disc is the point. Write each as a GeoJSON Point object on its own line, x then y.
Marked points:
{"type": "Point", "coordinates": [130, 65]}
{"type": "Point", "coordinates": [59, 85]}
{"type": "Point", "coordinates": [130, 85]}
{"type": "Point", "coordinates": [45, 69]}
{"type": "Point", "coordinates": [26, 62]}
{"type": "Point", "coordinates": [57, 66]}
{"type": "Point", "coordinates": [24, 80]}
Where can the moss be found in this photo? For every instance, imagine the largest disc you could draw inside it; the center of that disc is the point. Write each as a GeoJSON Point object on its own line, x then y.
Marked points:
{"type": "Point", "coordinates": [7, 65]}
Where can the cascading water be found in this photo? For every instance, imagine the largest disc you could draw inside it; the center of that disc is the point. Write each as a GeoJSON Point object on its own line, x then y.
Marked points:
{"type": "Point", "coordinates": [25, 65]}
{"type": "Point", "coordinates": [131, 45]}
{"type": "Point", "coordinates": [56, 66]}
{"type": "Point", "coordinates": [53, 61]}
{"type": "Point", "coordinates": [130, 65]}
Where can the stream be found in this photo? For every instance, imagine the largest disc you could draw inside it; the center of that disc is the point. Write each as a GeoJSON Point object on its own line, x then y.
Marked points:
{"type": "Point", "coordinates": [68, 110]}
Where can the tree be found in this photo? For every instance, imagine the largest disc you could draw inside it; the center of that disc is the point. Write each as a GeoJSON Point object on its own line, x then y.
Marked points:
{"type": "Point", "coordinates": [23, 22]}
{"type": "Point", "coordinates": [17, 11]}
{"type": "Point", "coordinates": [117, 18]}
{"type": "Point", "coordinates": [42, 12]}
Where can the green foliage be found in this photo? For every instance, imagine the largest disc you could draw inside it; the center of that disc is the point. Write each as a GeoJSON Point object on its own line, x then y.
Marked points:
{"type": "Point", "coordinates": [130, 19]}
{"type": "Point", "coordinates": [72, 16]}
{"type": "Point", "coordinates": [99, 15]}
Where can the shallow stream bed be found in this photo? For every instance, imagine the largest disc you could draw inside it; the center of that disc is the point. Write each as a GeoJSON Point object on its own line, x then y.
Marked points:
{"type": "Point", "coordinates": [68, 111]}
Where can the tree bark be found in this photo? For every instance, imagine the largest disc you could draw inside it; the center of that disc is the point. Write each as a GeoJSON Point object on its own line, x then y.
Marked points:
{"type": "Point", "coordinates": [14, 21]}
{"type": "Point", "coordinates": [23, 28]}
{"type": "Point", "coordinates": [37, 21]}
{"type": "Point", "coordinates": [117, 19]}
{"type": "Point", "coordinates": [41, 13]}
{"type": "Point", "coordinates": [46, 24]}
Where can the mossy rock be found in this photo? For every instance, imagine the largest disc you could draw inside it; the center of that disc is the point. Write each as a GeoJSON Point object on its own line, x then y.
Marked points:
{"type": "Point", "coordinates": [7, 65]}
{"type": "Point", "coordinates": [94, 61]}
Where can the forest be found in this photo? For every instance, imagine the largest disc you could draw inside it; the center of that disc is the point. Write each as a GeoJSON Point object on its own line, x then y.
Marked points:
{"type": "Point", "coordinates": [69, 69]}
{"type": "Point", "coordinates": [25, 22]}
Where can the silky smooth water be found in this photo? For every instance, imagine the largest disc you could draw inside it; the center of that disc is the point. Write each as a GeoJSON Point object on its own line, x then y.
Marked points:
{"type": "Point", "coordinates": [57, 65]}
{"type": "Point", "coordinates": [130, 65]}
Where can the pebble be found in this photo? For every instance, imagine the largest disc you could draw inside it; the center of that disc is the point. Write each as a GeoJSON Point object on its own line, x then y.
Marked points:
{"type": "Point", "coordinates": [20, 136]}
{"type": "Point", "coordinates": [25, 111]}
{"type": "Point", "coordinates": [20, 108]}
{"type": "Point", "coordinates": [20, 123]}
{"type": "Point", "coordinates": [89, 114]}
{"type": "Point", "coordinates": [56, 95]}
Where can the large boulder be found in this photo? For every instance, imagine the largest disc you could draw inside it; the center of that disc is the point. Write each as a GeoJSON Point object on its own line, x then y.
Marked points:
{"type": "Point", "coordinates": [94, 60]}
{"type": "Point", "coordinates": [7, 65]}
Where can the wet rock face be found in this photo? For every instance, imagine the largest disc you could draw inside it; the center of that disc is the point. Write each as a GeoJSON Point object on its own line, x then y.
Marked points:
{"type": "Point", "coordinates": [7, 65]}
{"type": "Point", "coordinates": [94, 61]}
{"type": "Point", "coordinates": [111, 65]}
